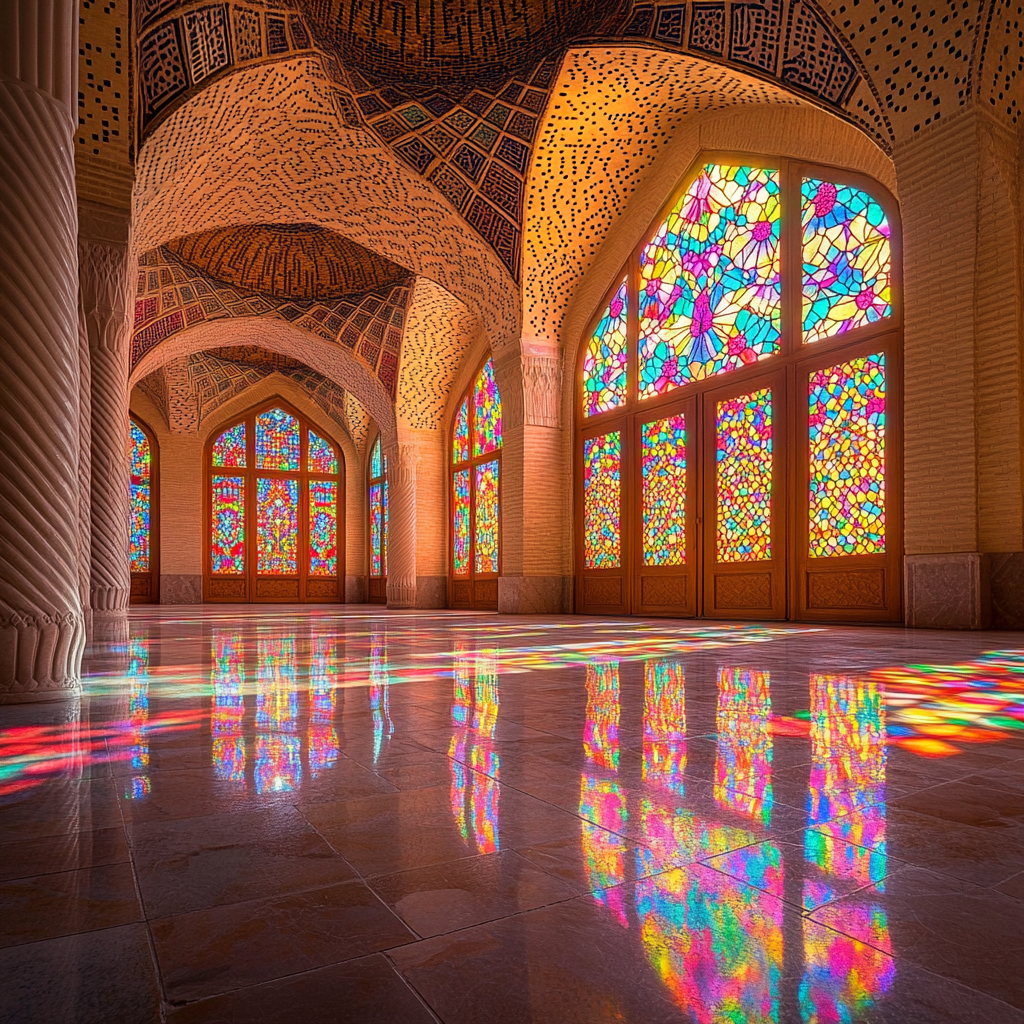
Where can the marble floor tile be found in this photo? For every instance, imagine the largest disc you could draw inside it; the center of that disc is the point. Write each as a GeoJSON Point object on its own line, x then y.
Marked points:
{"type": "Point", "coordinates": [65, 852]}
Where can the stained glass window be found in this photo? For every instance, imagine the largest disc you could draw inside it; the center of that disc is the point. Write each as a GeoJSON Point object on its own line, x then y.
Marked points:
{"type": "Point", "coordinates": [846, 258]}
{"type": "Point", "coordinates": [604, 365]}
{"type": "Point", "coordinates": [485, 558]}
{"type": "Point", "coordinates": [846, 428]}
{"type": "Point", "coordinates": [277, 525]}
{"type": "Point", "coordinates": [141, 499]}
{"type": "Point", "coordinates": [460, 440]}
{"type": "Point", "coordinates": [486, 412]}
{"type": "Point", "coordinates": [709, 290]}
{"type": "Point", "coordinates": [376, 529]}
{"type": "Point", "coordinates": [663, 463]}
{"type": "Point", "coordinates": [602, 539]}
{"type": "Point", "coordinates": [277, 440]}
{"type": "Point", "coordinates": [744, 474]}
{"type": "Point", "coordinates": [460, 521]}
{"type": "Point", "coordinates": [322, 457]}
{"type": "Point", "coordinates": [323, 527]}
{"type": "Point", "coordinates": [376, 463]}
{"type": "Point", "coordinates": [229, 448]}
{"type": "Point", "coordinates": [227, 543]}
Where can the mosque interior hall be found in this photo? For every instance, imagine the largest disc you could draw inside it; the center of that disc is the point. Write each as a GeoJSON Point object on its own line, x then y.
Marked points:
{"type": "Point", "coordinates": [512, 512]}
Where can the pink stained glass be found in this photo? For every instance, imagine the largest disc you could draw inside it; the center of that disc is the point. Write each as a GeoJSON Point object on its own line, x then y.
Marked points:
{"type": "Point", "coordinates": [744, 476]}
{"type": "Point", "coordinates": [847, 259]}
{"type": "Point", "coordinates": [376, 461]}
{"type": "Point", "coordinates": [323, 528]}
{"type": "Point", "coordinates": [322, 456]}
{"type": "Point", "coordinates": [743, 764]}
{"type": "Point", "coordinates": [601, 731]}
{"type": "Point", "coordinates": [460, 522]}
{"type": "Point", "coordinates": [141, 499]}
{"type": "Point", "coordinates": [277, 441]}
{"type": "Point", "coordinates": [663, 463]}
{"type": "Point", "coordinates": [229, 448]}
{"type": "Point", "coordinates": [602, 497]}
{"type": "Point", "coordinates": [227, 540]}
{"type": "Point", "coordinates": [846, 436]}
{"type": "Point", "coordinates": [664, 725]}
{"type": "Point", "coordinates": [460, 437]}
{"type": "Point", "coordinates": [709, 290]}
{"type": "Point", "coordinates": [604, 365]}
{"type": "Point", "coordinates": [485, 550]}
{"type": "Point", "coordinates": [376, 530]}
{"type": "Point", "coordinates": [277, 526]}
{"type": "Point", "coordinates": [486, 412]}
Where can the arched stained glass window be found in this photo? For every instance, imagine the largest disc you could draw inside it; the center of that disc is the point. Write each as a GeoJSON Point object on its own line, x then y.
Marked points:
{"type": "Point", "coordinates": [142, 554]}
{"type": "Point", "coordinates": [378, 503]}
{"type": "Point", "coordinates": [275, 510]}
{"type": "Point", "coordinates": [738, 378]}
{"type": "Point", "coordinates": [475, 493]}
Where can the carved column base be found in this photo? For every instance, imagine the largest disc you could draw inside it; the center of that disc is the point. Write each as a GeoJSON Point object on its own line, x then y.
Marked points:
{"type": "Point", "coordinates": [109, 599]}
{"type": "Point", "coordinates": [39, 656]}
{"type": "Point", "coordinates": [109, 627]}
{"type": "Point", "coordinates": [401, 592]}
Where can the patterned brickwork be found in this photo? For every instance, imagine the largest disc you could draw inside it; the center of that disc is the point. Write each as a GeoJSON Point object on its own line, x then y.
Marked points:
{"type": "Point", "coordinates": [172, 295]}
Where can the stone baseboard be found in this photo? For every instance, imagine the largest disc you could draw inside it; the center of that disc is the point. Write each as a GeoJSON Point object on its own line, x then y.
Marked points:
{"type": "Point", "coordinates": [355, 590]}
{"type": "Point", "coordinates": [181, 589]}
{"type": "Point", "coordinates": [431, 591]}
{"type": "Point", "coordinates": [1006, 581]}
{"type": "Point", "coordinates": [535, 595]}
{"type": "Point", "coordinates": [947, 591]}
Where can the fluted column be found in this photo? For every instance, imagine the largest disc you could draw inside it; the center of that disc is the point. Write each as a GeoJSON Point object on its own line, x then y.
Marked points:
{"type": "Point", "coordinates": [103, 281]}
{"type": "Point", "coordinates": [41, 622]}
{"type": "Point", "coordinates": [402, 460]}
{"type": "Point", "coordinates": [84, 468]}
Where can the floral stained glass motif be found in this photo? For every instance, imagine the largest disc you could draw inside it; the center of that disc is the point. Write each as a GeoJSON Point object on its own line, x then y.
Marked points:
{"type": "Point", "coordinates": [460, 439]}
{"type": "Point", "coordinates": [485, 550]}
{"type": "Point", "coordinates": [323, 527]}
{"type": "Point", "coordinates": [322, 457]}
{"type": "Point", "coordinates": [277, 440]}
{"type": "Point", "coordinates": [846, 433]}
{"type": "Point", "coordinates": [744, 474]}
{"type": "Point", "coordinates": [229, 448]}
{"type": "Point", "coordinates": [486, 412]}
{"type": "Point", "coordinates": [460, 521]}
{"type": "Point", "coordinates": [604, 365]}
{"type": "Point", "coordinates": [602, 528]}
{"type": "Point", "coordinates": [141, 499]}
{"type": "Point", "coordinates": [227, 543]}
{"type": "Point", "coordinates": [277, 526]}
{"type": "Point", "coordinates": [709, 292]}
{"type": "Point", "coordinates": [376, 462]}
{"type": "Point", "coordinates": [377, 529]}
{"type": "Point", "coordinates": [847, 259]}
{"type": "Point", "coordinates": [663, 464]}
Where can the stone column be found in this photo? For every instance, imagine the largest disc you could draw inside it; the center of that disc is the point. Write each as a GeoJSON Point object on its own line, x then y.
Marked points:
{"type": "Point", "coordinates": [401, 525]}
{"type": "Point", "coordinates": [103, 277]}
{"type": "Point", "coordinates": [41, 624]}
{"type": "Point", "coordinates": [84, 469]}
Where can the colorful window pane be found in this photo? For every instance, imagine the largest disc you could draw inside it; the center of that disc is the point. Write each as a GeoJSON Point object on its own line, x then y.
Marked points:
{"type": "Point", "coordinates": [663, 459]}
{"type": "Point", "coordinates": [323, 527]}
{"type": "Point", "coordinates": [376, 529]}
{"type": "Point", "coordinates": [227, 543]}
{"type": "Point", "coordinates": [277, 440]}
{"type": "Point", "coordinates": [485, 552]}
{"type": "Point", "coordinates": [486, 412]}
{"type": "Point", "coordinates": [604, 365]}
{"type": "Point", "coordinates": [846, 434]}
{"type": "Point", "coordinates": [384, 536]}
{"type": "Point", "coordinates": [460, 521]}
{"type": "Point", "coordinates": [460, 440]}
{"type": "Point", "coordinates": [229, 448]}
{"type": "Point", "coordinates": [847, 259]}
{"type": "Point", "coordinates": [141, 497]}
{"type": "Point", "coordinates": [277, 526]}
{"type": "Point", "coordinates": [744, 474]}
{"type": "Point", "coordinates": [322, 457]}
{"type": "Point", "coordinates": [602, 530]}
{"type": "Point", "coordinates": [709, 291]}
{"type": "Point", "coordinates": [376, 465]}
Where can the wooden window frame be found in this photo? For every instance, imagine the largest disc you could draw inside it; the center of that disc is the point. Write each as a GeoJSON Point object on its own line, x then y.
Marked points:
{"type": "Point", "coordinates": [473, 589]}
{"type": "Point", "coordinates": [793, 358]}
{"type": "Point", "coordinates": [250, 587]}
{"type": "Point", "coordinates": [145, 586]}
{"type": "Point", "coordinates": [376, 585]}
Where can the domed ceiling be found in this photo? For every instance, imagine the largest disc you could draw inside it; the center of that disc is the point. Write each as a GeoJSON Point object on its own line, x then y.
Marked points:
{"type": "Point", "coordinates": [288, 261]}
{"type": "Point", "coordinates": [451, 43]}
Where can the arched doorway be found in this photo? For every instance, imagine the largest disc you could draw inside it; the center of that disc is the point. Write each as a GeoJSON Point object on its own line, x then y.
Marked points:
{"type": "Point", "coordinates": [737, 450]}
{"type": "Point", "coordinates": [274, 509]}
{"type": "Point", "coordinates": [144, 498]}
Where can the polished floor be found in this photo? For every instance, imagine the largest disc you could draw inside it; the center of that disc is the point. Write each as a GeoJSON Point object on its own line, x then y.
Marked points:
{"type": "Point", "coordinates": [305, 816]}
